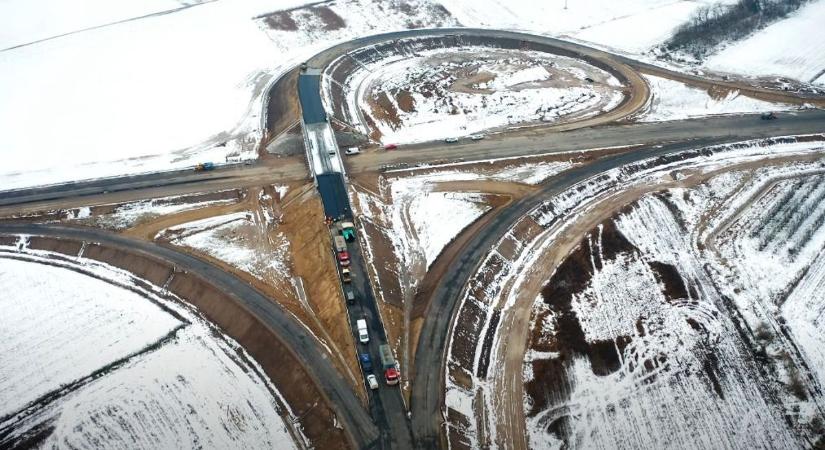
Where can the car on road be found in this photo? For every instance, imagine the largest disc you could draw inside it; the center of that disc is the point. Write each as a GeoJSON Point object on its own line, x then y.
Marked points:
{"type": "Point", "coordinates": [451, 140]}
{"type": "Point", "coordinates": [477, 137]}
{"type": "Point", "coordinates": [768, 116]}
{"type": "Point", "coordinates": [346, 275]}
{"type": "Point", "coordinates": [352, 151]}
{"type": "Point", "coordinates": [390, 146]}
{"type": "Point", "coordinates": [363, 335]}
{"type": "Point", "coordinates": [350, 297]}
{"type": "Point", "coordinates": [366, 362]}
{"type": "Point", "coordinates": [372, 382]}
{"type": "Point", "coordinates": [343, 258]}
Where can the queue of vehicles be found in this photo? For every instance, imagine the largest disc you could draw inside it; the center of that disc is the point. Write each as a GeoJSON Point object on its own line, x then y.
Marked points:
{"type": "Point", "coordinates": [345, 232]}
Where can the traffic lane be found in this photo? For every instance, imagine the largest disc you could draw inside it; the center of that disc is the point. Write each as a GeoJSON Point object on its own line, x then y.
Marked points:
{"type": "Point", "coordinates": [309, 94]}
{"type": "Point", "coordinates": [346, 405]}
{"type": "Point", "coordinates": [537, 141]}
{"type": "Point", "coordinates": [396, 433]}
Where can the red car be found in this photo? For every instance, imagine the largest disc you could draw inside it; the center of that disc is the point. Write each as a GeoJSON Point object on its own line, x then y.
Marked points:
{"type": "Point", "coordinates": [390, 146]}
{"type": "Point", "coordinates": [343, 258]}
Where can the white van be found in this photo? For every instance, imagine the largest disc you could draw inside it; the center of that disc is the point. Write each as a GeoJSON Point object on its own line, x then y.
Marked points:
{"type": "Point", "coordinates": [363, 336]}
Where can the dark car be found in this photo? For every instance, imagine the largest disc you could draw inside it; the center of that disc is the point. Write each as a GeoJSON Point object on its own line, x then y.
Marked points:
{"type": "Point", "coordinates": [350, 297]}
{"type": "Point", "coordinates": [366, 362]}
{"type": "Point", "coordinates": [768, 116]}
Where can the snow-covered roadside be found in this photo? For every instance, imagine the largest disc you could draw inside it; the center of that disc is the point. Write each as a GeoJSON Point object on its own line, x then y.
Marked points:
{"type": "Point", "coordinates": [496, 288]}
{"type": "Point", "coordinates": [191, 386]}
{"type": "Point", "coordinates": [237, 240]}
{"type": "Point", "coordinates": [672, 100]}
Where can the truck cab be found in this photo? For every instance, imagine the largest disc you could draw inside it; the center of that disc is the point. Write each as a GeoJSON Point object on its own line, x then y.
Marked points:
{"type": "Point", "coordinates": [343, 258]}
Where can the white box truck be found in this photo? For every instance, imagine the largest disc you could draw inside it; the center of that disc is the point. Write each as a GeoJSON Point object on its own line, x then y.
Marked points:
{"type": "Point", "coordinates": [363, 336]}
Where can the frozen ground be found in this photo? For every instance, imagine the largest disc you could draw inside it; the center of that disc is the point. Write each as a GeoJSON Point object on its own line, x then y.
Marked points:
{"type": "Point", "coordinates": [236, 240]}
{"type": "Point", "coordinates": [630, 26]}
{"type": "Point", "coordinates": [93, 324]}
{"type": "Point", "coordinates": [440, 93]}
{"type": "Point", "coordinates": [792, 48]}
{"type": "Point", "coordinates": [158, 93]}
{"type": "Point", "coordinates": [672, 100]}
{"type": "Point", "coordinates": [141, 370]}
{"type": "Point", "coordinates": [595, 376]}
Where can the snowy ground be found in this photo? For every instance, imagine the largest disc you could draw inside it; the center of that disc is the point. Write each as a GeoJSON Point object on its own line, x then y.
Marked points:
{"type": "Point", "coordinates": [440, 93]}
{"type": "Point", "coordinates": [126, 215]}
{"type": "Point", "coordinates": [135, 369]}
{"type": "Point", "coordinates": [579, 392]}
{"type": "Point", "coordinates": [158, 93]}
{"type": "Point", "coordinates": [672, 100]}
{"type": "Point", "coordinates": [792, 48]}
{"type": "Point", "coordinates": [236, 240]}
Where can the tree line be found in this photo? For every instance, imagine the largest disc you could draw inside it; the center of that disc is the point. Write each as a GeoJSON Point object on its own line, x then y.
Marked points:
{"type": "Point", "coordinates": [710, 25]}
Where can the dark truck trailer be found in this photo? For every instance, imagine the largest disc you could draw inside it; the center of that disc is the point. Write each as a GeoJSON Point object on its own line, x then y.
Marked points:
{"type": "Point", "coordinates": [388, 364]}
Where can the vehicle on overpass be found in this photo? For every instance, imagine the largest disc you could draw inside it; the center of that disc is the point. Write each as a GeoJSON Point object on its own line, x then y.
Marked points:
{"type": "Point", "coordinates": [346, 275]}
{"type": "Point", "coordinates": [391, 375]}
{"type": "Point", "coordinates": [350, 297]}
{"type": "Point", "coordinates": [363, 334]}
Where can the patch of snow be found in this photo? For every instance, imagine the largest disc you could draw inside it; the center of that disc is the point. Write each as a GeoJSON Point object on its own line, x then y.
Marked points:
{"type": "Point", "coordinates": [177, 388]}
{"type": "Point", "coordinates": [672, 100]}
{"type": "Point", "coordinates": [791, 48]}
{"type": "Point", "coordinates": [437, 217]}
{"type": "Point", "coordinates": [59, 326]}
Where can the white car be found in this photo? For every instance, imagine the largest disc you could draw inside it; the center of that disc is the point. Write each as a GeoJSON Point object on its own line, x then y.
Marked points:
{"type": "Point", "coordinates": [372, 381]}
{"type": "Point", "coordinates": [352, 151]}
{"type": "Point", "coordinates": [451, 140]}
{"type": "Point", "coordinates": [477, 137]}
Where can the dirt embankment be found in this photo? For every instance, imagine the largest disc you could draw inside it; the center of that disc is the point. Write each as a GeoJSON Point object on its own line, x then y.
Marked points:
{"type": "Point", "coordinates": [304, 397]}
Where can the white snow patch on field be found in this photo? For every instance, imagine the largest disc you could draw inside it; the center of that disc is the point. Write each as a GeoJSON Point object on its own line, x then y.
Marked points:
{"type": "Point", "coordinates": [227, 238]}
{"type": "Point", "coordinates": [58, 326]}
{"type": "Point", "coordinates": [793, 48]}
{"type": "Point", "coordinates": [675, 101]}
{"type": "Point", "coordinates": [519, 90]}
{"type": "Point", "coordinates": [439, 216]}
{"type": "Point", "coordinates": [128, 214]}
{"type": "Point", "coordinates": [631, 25]}
{"type": "Point", "coordinates": [197, 388]}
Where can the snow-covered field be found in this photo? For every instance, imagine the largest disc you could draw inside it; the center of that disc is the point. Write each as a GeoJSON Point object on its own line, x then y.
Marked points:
{"type": "Point", "coordinates": [597, 387]}
{"type": "Point", "coordinates": [793, 48]}
{"type": "Point", "coordinates": [92, 358]}
{"type": "Point", "coordinates": [441, 92]}
{"type": "Point", "coordinates": [158, 93]}
{"type": "Point", "coordinates": [672, 100]}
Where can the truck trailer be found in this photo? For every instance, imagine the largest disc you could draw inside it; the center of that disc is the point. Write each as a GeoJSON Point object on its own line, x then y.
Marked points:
{"type": "Point", "coordinates": [388, 364]}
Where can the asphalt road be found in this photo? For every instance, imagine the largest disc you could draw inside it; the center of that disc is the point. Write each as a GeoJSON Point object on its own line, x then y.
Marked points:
{"type": "Point", "coordinates": [347, 406]}
{"type": "Point", "coordinates": [429, 369]}
{"type": "Point", "coordinates": [386, 405]}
